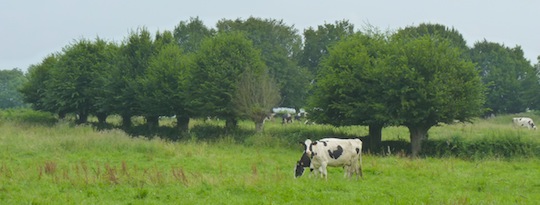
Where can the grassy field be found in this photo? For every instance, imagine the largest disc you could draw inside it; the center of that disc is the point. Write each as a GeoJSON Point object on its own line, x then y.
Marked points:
{"type": "Point", "coordinates": [67, 164]}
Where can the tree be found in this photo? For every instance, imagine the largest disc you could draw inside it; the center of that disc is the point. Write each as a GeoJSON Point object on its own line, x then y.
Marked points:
{"type": "Point", "coordinates": [511, 81]}
{"type": "Point", "coordinates": [429, 82]}
{"type": "Point", "coordinates": [535, 101]}
{"type": "Point", "coordinates": [217, 67]}
{"type": "Point", "coordinates": [134, 55]}
{"type": "Point", "coordinates": [439, 30]}
{"type": "Point", "coordinates": [102, 92]}
{"type": "Point", "coordinates": [349, 86]}
{"type": "Point", "coordinates": [77, 82]}
{"type": "Point", "coordinates": [256, 94]}
{"type": "Point", "coordinates": [189, 35]}
{"type": "Point", "coordinates": [37, 90]}
{"type": "Point", "coordinates": [164, 86]}
{"type": "Point", "coordinates": [317, 42]}
{"type": "Point", "coordinates": [10, 83]}
{"type": "Point", "coordinates": [279, 45]}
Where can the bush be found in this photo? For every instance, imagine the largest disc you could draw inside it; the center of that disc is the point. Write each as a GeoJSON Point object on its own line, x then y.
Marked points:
{"type": "Point", "coordinates": [211, 132]}
{"type": "Point", "coordinates": [28, 116]}
{"type": "Point", "coordinates": [503, 144]}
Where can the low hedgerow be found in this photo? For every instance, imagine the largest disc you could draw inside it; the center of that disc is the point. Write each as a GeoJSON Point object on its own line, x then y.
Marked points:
{"type": "Point", "coordinates": [501, 144]}
{"type": "Point", "coordinates": [28, 116]}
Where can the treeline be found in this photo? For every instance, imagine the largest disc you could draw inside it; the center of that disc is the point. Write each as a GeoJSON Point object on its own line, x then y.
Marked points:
{"type": "Point", "coordinates": [416, 76]}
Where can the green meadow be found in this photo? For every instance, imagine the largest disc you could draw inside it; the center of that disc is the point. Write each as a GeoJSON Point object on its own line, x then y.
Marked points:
{"type": "Point", "coordinates": [50, 162]}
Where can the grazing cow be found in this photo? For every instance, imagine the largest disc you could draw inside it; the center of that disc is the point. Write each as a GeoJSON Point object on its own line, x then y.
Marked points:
{"type": "Point", "coordinates": [346, 153]}
{"type": "Point", "coordinates": [286, 118]}
{"type": "Point", "coordinates": [300, 165]}
{"type": "Point", "coordinates": [524, 122]}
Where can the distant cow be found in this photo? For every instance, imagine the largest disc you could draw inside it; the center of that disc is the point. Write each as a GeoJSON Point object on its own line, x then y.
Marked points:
{"type": "Point", "coordinates": [524, 122]}
{"type": "Point", "coordinates": [286, 118]}
{"type": "Point", "coordinates": [346, 153]}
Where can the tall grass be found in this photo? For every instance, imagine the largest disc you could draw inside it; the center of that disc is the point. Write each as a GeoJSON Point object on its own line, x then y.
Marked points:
{"type": "Point", "coordinates": [69, 164]}
{"type": "Point", "coordinates": [64, 163]}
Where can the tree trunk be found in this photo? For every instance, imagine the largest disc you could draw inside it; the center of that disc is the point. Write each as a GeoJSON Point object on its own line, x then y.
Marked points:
{"type": "Point", "coordinates": [231, 123]}
{"type": "Point", "coordinates": [126, 121]}
{"type": "Point", "coordinates": [82, 118]}
{"type": "Point", "coordinates": [182, 123]}
{"type": "Point", "coordinates": [375, 138]}
{"type": "Point", "coordinates": [152, 122]}
{"type": "Point", "coordinates": [417, 134]}
{"type": "Point", "coordinates": [102, 118]}
{"type": "Point", "coordinates": [259, 126]}
{"type": "Point", "coordinates": [61, 115]}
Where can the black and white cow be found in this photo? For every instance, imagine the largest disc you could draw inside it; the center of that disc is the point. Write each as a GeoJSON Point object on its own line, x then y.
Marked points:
{"type": "Point", "coordinates": [524, 122]}
{"type": "Point", "coordinates": [318, 155]}
{"type": "Point", "coordinates": [286, 118]}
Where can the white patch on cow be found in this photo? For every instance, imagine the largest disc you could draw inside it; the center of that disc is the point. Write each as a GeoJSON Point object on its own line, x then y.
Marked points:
{"type": "Point", "coordinates": [524, 122]}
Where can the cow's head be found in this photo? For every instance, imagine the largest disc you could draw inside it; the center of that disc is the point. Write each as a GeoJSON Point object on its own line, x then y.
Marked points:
{"type": "Point", "coordinates": [304, 161]}
{"type": "Point", "coordinates": [307, 147]}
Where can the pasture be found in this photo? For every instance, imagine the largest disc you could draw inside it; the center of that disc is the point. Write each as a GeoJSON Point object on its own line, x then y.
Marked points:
{"type": "Point", "coordinates": [62, 163]}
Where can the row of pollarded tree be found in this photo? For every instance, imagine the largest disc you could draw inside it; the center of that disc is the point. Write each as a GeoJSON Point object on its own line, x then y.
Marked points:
{"type": "Point", "coordinates": [417, 77]}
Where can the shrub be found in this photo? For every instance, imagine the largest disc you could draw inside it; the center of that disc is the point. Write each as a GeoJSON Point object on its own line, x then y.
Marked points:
{"type": "Point", "coordinates": [502, 144]}
{"type": "Point", "coordinates": [28, 116]}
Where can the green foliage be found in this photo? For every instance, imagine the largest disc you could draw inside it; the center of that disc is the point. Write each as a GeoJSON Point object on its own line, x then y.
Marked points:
{"type": "Point", "coordinates": [427, 29]}
{"type": "Point", "coordinates": [10, 83]}
{"type": "Point", "coordinates": [218, 65]}
{"type": "Point", "coordinates": [511, 81]}
{"type": "Point", "coordinates": [35, 90]}
{"type": "Point", "coordinates": [25, 116]}
{"type": "Point", "coordinates": [256, 94]}
{"type": "Point", "coordinates": [348, 89]}
{"type": "Point", "coordinates": [317, 42]}
{"type": "Point", "coordinates": [431, 83]}
{"type": "Point", "coordinates": [279, 45]}
{"type": "Point", "coordinates": [163, 87]}
{"type": "Point", "coordinates": [77, 82]}
{"type": "Point", "coordinates": [190, 35]}
{"type": "Point", "coordinates": [497, 145]}
{"type": "Point", "coordinates": [132, 63]}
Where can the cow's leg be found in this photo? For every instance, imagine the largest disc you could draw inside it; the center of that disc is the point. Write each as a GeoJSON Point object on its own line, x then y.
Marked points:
{"type": "Point", "coordinates": [324, 171]}
{"type": "Point", "coordinates": [314, 171]}
{"type": "Point", "coordinates": [360, 166]}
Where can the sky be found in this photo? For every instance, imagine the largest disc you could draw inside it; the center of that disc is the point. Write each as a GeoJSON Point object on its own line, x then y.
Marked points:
{"type": "Point", "coordinates": [31, 30]}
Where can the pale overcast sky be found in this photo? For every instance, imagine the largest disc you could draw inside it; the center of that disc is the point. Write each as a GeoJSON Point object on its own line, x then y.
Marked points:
{"type": "Point", "coordinates": [32, 29]}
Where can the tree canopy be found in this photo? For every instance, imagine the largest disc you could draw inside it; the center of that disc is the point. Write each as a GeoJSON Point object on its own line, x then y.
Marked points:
{"type": "Point", "coordinates": [10, 83]}
{"type": "Point", "coordinates": [218, 64]}
{"type": "Point", "coordinates": [511, 81]}
{"type": "Point", "coordinates": [279, 46]}
{"type": "Point", "coordinates": [430, 83]}
{"type": "Point", "coordinates": [418, 76]}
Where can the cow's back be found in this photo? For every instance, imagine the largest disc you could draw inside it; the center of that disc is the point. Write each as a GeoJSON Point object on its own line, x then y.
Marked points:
{"type": "Point", "coordinates": [336, 152]}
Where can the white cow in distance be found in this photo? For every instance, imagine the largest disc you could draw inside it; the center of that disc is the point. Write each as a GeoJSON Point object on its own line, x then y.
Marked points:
{"type": "Point", "coordinates": [524, 122]}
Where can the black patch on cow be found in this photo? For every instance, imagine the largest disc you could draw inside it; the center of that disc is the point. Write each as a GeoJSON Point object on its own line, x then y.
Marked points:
{"type": "Point", "coordinates": [311, 149]}
{"type": "Point", "coordinates": [304, 162]}
{"type": "Point", "coordinates": [357, 150]}
{"type": "Point", "coordinates": [336, 153]}
{"type": "Point", "coordinates": [325, 144]}
{"type": "Point", "coordinates": [299, 170]}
